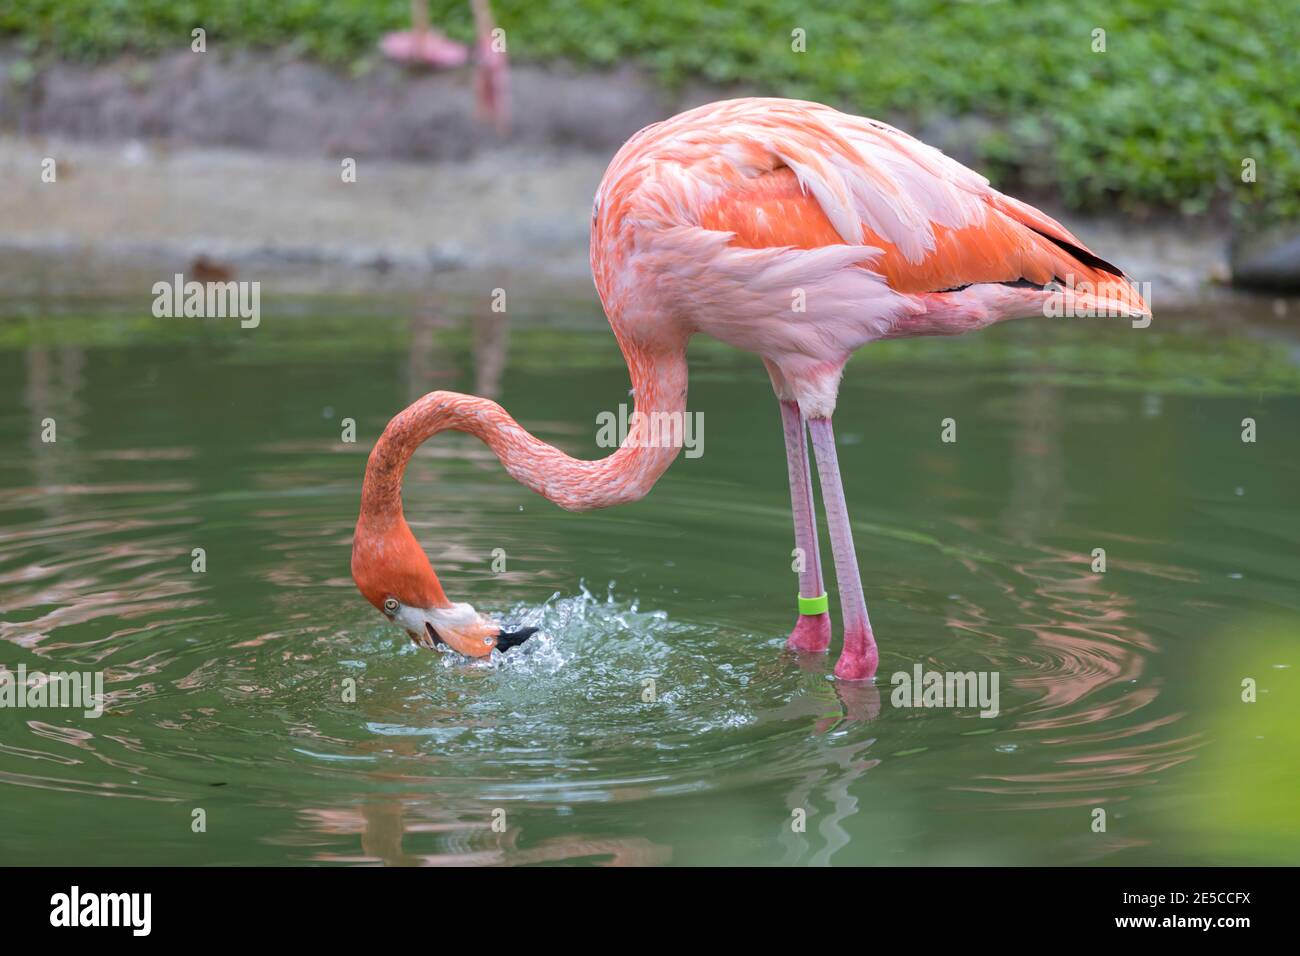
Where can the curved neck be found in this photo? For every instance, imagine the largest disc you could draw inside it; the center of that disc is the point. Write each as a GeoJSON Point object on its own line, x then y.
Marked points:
{"type": "Point", "coordinates": [651, 444]}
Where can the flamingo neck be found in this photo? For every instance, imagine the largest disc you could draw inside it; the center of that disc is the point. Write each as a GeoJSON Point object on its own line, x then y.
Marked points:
{"type": "Point", "coordinates": [658, 390]}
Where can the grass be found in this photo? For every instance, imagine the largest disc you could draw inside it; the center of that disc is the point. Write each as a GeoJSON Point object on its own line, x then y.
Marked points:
{"type": "Point", "coordinates": [1161, 120]}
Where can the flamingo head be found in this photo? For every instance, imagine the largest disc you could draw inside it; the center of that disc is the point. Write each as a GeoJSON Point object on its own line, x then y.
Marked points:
{"type": "Point", "coordinates": [393, 573]}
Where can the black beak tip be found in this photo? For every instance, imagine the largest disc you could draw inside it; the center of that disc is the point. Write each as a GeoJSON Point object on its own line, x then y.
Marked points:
{"type": "Point", "coordinates": [508, 639]}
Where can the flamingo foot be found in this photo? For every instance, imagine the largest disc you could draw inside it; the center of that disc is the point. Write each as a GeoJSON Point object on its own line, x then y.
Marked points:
{"type": "Point", "coordinates": [859, 659]}
{"type": "Point", "coordinates": [811, 634]}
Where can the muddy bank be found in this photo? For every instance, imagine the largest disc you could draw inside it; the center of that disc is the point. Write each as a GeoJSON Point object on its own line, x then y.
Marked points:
{"type": "Point", "coordinates": [280, 103]}
{"type": "Point", "coordinates": [236, 159]}
{"type": "Point", "coordinates": [119, 217]}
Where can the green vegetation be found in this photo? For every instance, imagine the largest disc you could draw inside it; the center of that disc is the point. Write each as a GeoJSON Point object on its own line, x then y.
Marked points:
{"type": "Point", "coordinates": [1161, 120]}
{"type": "Point", "coordinates": [1240, 804]}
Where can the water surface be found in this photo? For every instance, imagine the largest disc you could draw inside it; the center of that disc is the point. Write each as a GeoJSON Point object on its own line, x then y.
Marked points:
{"type": "Point", "coordinates": [227, 690]}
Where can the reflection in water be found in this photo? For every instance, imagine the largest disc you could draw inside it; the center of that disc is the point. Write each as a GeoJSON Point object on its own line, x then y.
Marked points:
{"type": "Point", "coordinates": [491, 339]}
{"type": "Point", "coordinates": [264, 691]}
{"type": "Point", "coordinates": [1083, 666]}
{"type": "Point", "coordinates": [427, 366]}
{"type": "Point", "coordinates": [1086, 663]}
{"type": "Point", "coordinates": [52, 389]}
{"type": "Point", "coordinates": [383, 826]}
{"type": "Point", "coordinates": [1037, 469]}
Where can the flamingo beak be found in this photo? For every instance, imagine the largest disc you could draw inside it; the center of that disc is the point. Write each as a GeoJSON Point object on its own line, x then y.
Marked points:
{"type": "Point", "coordinates": [504, 639]}
{"type": "Point", "coordinates": [508, 639]}
{"type": "Point", "coordinates": [457, 626]}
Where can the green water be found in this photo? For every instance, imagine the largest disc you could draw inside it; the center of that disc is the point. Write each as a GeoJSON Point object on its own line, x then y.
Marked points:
{"type": "Point", "coordinates": [226, 689]}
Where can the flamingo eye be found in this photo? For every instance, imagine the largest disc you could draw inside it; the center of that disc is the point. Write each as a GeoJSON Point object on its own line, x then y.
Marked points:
{"type": "Point", "coordinates": [390, 605]}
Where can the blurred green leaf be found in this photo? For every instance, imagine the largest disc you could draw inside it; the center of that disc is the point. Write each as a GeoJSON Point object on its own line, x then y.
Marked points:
{"type": "Point", "coordinates": [1159, 120]}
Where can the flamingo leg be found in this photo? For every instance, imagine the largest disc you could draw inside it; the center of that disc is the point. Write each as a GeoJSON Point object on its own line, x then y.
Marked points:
{"type": "Point", "coordinates": [812, 632]}
{"type": "Point", "coordinates": [859, 657]}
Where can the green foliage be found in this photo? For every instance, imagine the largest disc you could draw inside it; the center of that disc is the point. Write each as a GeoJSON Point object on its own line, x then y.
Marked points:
{"type": "Point", "coordinates": [1161, 120]}
{"type": "Point", "coordinates": [1241, 803]}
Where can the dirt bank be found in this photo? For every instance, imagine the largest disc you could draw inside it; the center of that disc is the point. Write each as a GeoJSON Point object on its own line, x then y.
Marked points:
{"type": "Point", "coordinates": [278, 102]}
{"type": "Point", "coordinates": [120, 217]}
{"type": "Point", "coordinates": [236, 160]}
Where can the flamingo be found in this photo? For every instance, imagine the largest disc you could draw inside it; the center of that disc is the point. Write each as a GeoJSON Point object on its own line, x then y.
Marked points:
{"type": "Point", "coordinates": [422, 44]}
{"type": "Point", "coordinates": [783, 228]}
{"type": "Point", "coordinates": [425, 46]}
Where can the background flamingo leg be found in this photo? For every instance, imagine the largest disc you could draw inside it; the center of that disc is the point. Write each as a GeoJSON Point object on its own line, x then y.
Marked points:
{"type": "Point", "coordinates": [812, 632]}
{"type": "Point", "coordinates": [859, 657]}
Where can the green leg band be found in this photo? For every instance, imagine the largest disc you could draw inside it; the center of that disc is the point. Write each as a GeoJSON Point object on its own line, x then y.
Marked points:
{"type": "Point", "coordinates": [817, 605]}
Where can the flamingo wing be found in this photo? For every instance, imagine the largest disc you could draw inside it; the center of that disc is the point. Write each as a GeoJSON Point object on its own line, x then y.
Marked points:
{"type": "Point", "coordinates": [801, 175]}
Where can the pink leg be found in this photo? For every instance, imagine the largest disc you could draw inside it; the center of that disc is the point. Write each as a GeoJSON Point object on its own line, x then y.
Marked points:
{"type": "Point", "coordinates": [812, 632]}
{"type": "Point", "coordinates": [859, 658]}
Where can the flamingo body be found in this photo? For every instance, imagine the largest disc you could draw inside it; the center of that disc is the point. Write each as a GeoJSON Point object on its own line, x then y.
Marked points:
{"type": "Point", "coordinates": [426, 47]}
{"type": "Point", "coordinates": [734, 206]}
{"type": "Point", "coordinates": [786, 229]}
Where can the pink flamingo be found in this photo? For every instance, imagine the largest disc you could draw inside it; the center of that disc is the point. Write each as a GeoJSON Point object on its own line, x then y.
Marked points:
{"type": "Point", "coordinates": [492, 73]}
{"type": "Point", "coordinates": [423, 45]}
{"type": "Point", "coordinates": [784, 228]}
